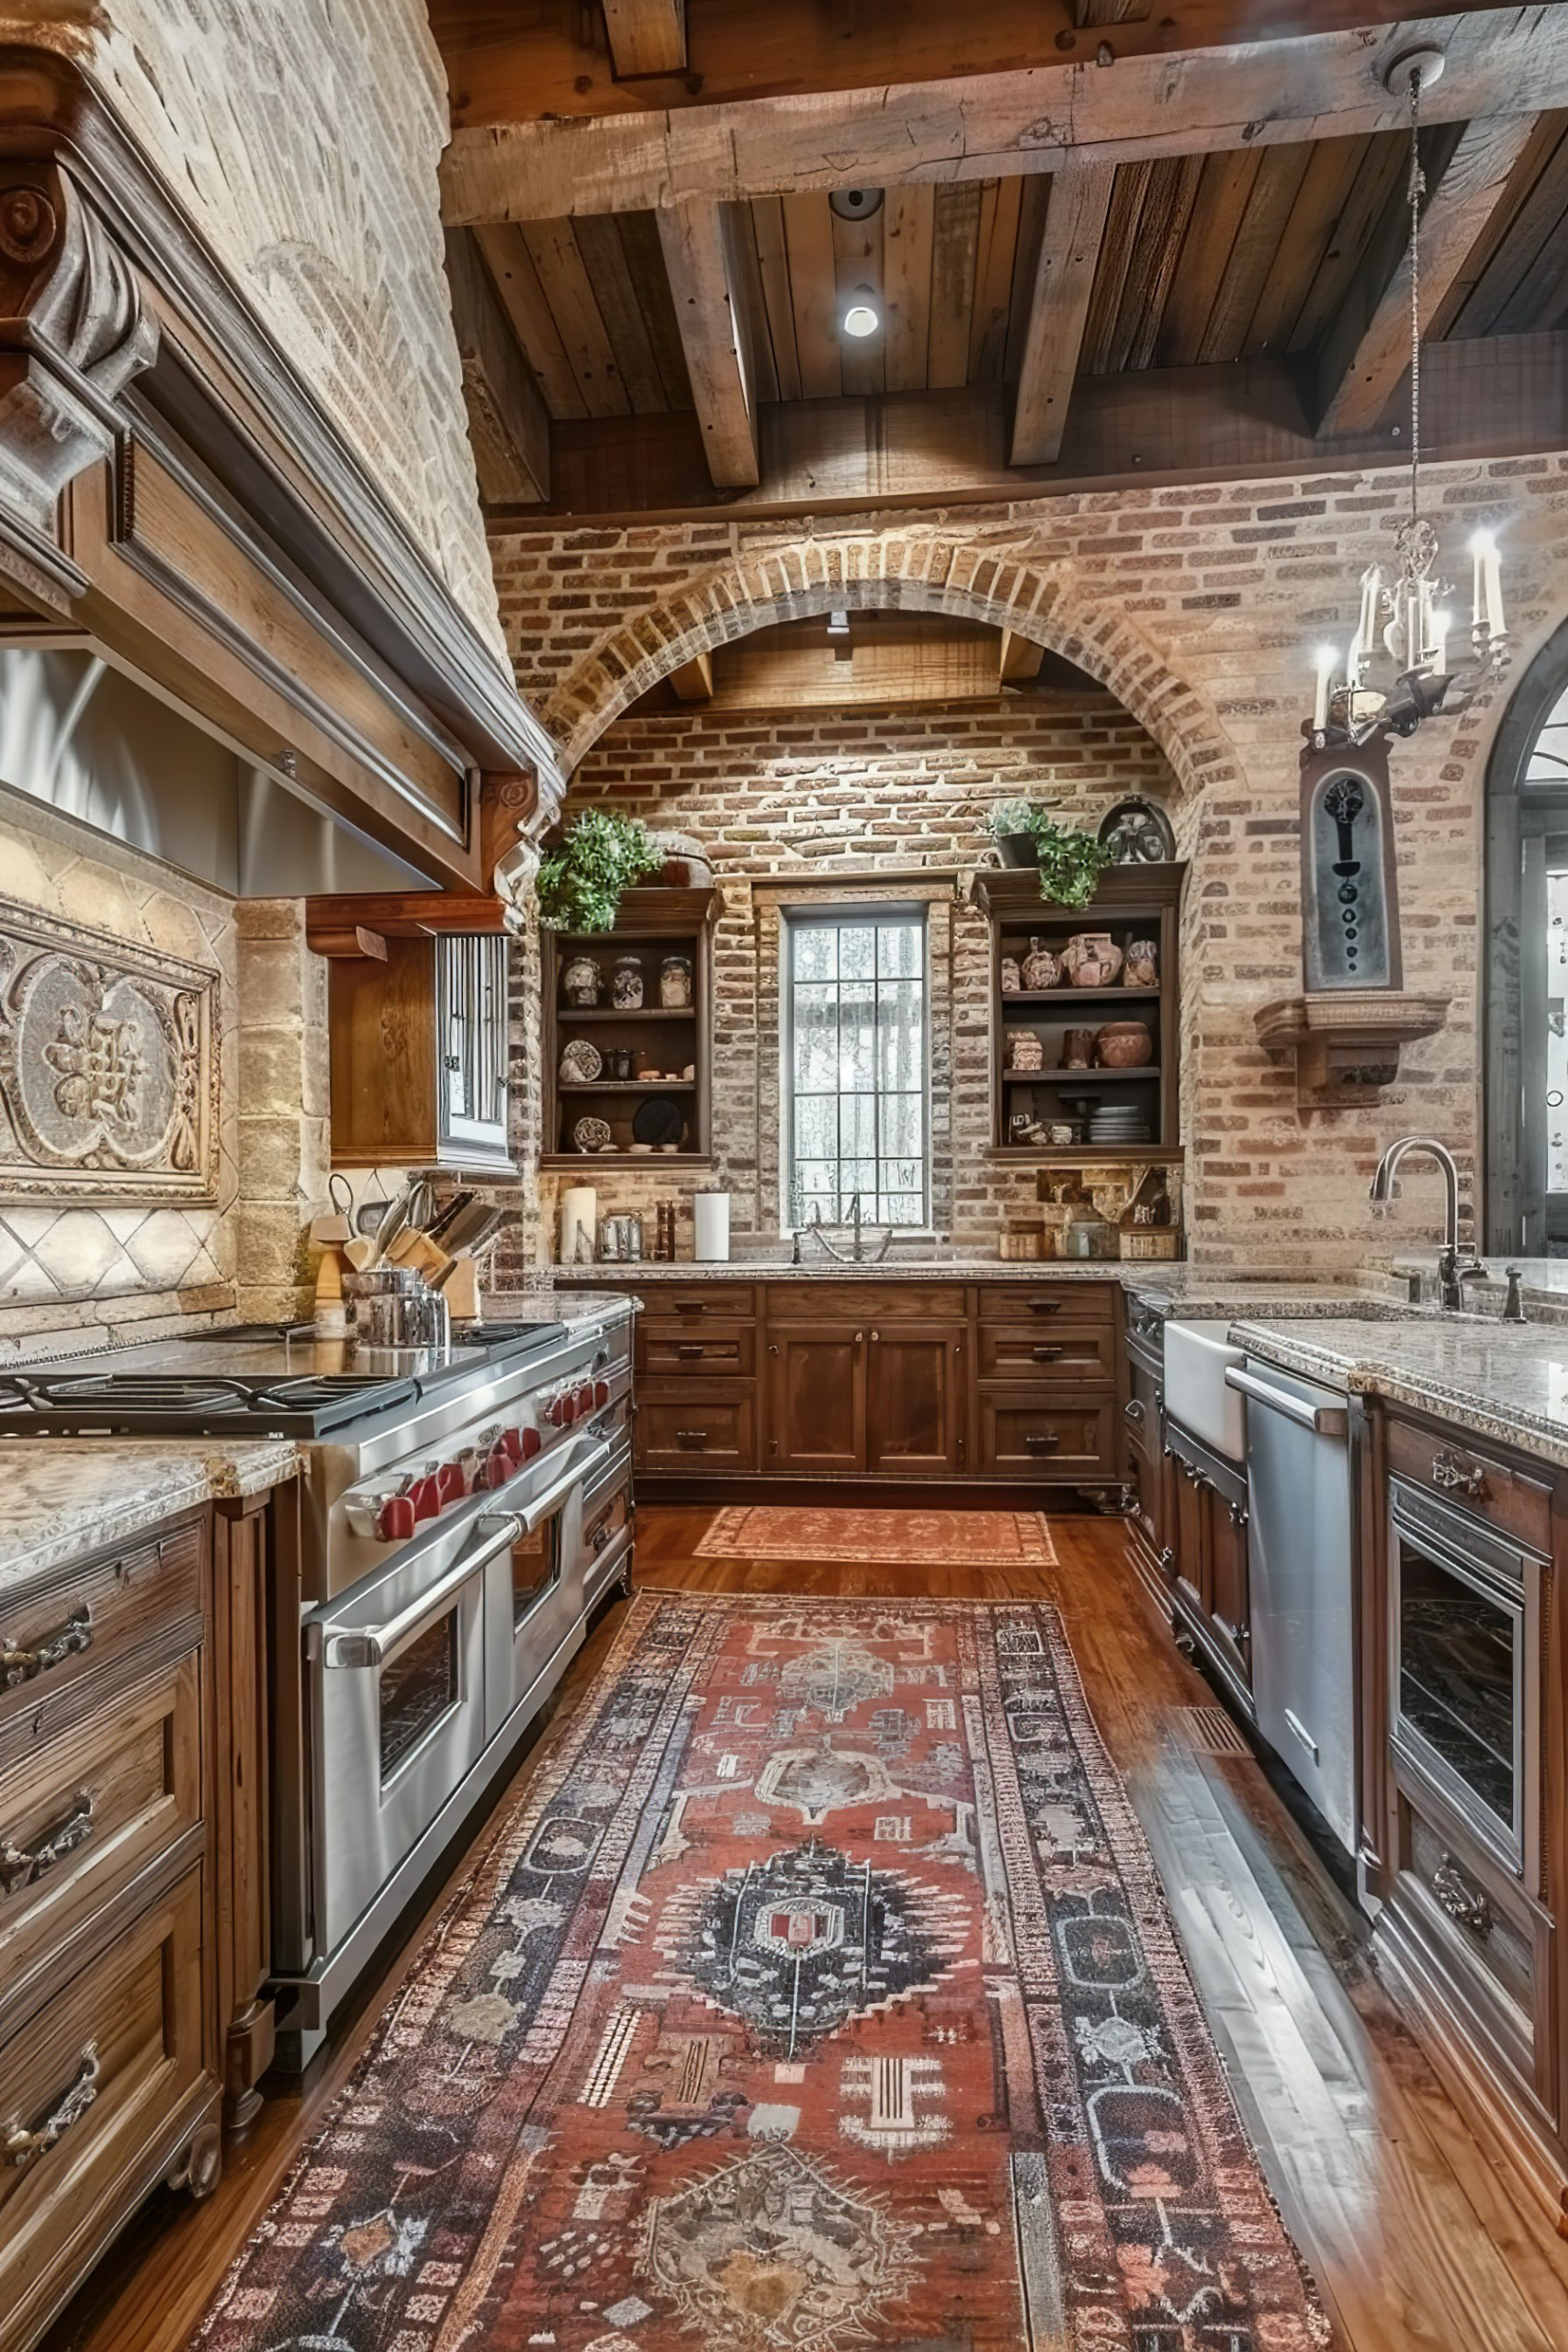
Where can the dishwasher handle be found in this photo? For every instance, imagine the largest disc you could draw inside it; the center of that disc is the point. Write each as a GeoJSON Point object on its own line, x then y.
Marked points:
{"type": "Point", "coordinates": [1323, 1421]}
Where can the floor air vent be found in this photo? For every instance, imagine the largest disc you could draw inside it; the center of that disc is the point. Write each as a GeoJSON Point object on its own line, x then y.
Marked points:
{"type": "Point", "coordinates": [1208, 1731]}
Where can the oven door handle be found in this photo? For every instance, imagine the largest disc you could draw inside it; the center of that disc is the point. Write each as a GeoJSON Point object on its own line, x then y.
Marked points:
{"type": "Point", "coordinates": [371, 1646]}
{"type": "Point", "coordinates": [580, 1467]}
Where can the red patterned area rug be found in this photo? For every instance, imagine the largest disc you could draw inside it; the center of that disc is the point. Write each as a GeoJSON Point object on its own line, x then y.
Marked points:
{"type": "Point", "coordinates": [944, 1539]}
{"type": "Point", "coordinates": [820, 1994]}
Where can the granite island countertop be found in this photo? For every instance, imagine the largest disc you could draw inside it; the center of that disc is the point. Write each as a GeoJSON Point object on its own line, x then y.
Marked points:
{"type": "Point", "coordinates": [65, 1497]}
{"type": "Point", "coordinates": [1507, 1383]}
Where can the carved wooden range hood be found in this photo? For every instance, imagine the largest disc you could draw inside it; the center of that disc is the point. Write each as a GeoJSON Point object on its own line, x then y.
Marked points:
{"type": "Point", "coordinates": [173, 494]}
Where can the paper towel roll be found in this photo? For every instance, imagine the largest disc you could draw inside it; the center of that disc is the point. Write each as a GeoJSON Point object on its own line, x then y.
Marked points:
{"type": "Point", "coordinates": [710, 1217]}
{"type": "Point", "coordinates": [579, 1211]}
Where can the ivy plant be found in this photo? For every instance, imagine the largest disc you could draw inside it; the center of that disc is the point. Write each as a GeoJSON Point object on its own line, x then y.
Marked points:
{"type": "Point", "coordinates": [1070, 862]}
{"type": "Point", "coordinates": [584, 878]}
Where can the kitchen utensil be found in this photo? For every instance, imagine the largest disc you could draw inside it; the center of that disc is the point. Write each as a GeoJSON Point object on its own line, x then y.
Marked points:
{"type": "Point", "coordinates": [397, 1309]}
{"type": "Point", "coordinates": [422, 1203]}
{"type": "Point", "coordinates": [394, 1216]}
{"type": "Point", "coordinates": [460, 1200]}
{"type": "Point", "coordinates": [360, 1251]}
{"type": "Point", "coordinates": [371, 1212]}
{"type": "Point", "coordinates": [658, 1121]}
{"type": "Point", "coordinates": [340, 1191]}
{"type": "Point", "coordinates": [477, 1230]}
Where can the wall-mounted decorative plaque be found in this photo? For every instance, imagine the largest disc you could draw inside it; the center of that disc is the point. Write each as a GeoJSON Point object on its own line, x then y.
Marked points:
{"type": "Point", "coordinates": [1349, 897]}
{"type": "Point", "coordinates": [108, 1066]}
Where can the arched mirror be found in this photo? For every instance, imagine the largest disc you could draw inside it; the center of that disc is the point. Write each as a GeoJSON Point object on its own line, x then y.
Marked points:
{"type": "Point", "coordinates": [1526, 976]}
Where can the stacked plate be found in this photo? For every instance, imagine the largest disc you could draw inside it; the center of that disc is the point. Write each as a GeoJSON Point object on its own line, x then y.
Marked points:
{"type": "Point", "coordinates": [1119, 1122]}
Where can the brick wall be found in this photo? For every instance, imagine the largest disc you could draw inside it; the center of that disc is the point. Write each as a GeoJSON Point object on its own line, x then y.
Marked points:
{"type": "Point", "coordinates": [303, 137]}
{"type": "Point", "coordinates": [1198, 607]}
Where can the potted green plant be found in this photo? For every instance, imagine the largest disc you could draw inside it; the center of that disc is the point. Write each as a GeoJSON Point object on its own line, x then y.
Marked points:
{"type": "Point", "coordinates": [584, 876]}
{"type": "Point", "coordinates": [1070, 862]}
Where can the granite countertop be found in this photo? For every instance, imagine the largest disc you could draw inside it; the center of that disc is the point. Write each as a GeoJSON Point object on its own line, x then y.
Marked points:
{"type": "Point", "coordinates": [1508, 1383]}
{"type": "Point", "coordinates": [543, 1303]}
{"type": "Point", "coordinates": [65, 1497]}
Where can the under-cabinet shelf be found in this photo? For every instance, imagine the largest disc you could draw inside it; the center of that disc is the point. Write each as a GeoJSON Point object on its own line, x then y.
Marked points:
{"type": "Point", "coordinates": [625, 1086]}
{"type": "Point", "coordinates": [568, 1015]}
{"type": "Point", "coordinates": [1085, 1079]}
{"type": "Point", "coordinates": [1079, 996]}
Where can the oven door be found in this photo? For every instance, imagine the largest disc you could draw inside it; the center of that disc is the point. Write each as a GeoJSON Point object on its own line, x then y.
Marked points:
{"type": "Point", "coordinates": [534, 1605]}
{"type": "Point", "coordinates": [396, 1678]}
{"type": "Point", "coordinates": [1460, 1705]}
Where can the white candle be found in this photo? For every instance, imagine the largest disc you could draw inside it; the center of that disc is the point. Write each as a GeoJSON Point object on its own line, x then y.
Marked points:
{"type": "Point", "coordinates": [1480, 545]}
{"type": "Point", "coordinates": [1441, 624]}
{"type": "Point", "coordinates": [1326, 661]}
{"type": "Point", "coordinates": [1495, 621]}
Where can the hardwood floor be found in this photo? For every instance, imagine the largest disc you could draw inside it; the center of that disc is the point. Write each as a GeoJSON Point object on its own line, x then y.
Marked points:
{"type": "Point", "coordinates": [1417, 2242]}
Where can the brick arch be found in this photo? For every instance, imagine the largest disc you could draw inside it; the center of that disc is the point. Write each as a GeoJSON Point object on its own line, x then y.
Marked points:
{"type": "Point", "coordinates": [1045, 602]}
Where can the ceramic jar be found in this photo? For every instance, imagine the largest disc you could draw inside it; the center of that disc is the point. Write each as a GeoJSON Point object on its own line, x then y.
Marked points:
{"type": "Point", "coordinates": [1039, 967]}
{"type": "Point", "coordinates": [675, 983]}
{"type": "Point", "coordinates": [1092, 959]}
{"type": "Point", "coordinates": [625, 984]}
{"type": "Point", "coordinates": [580, 1062]}
{"type": "Point", "coordinates": [1010, 980]}
{"type": "Point", "coordinates": [581, 982]}
{"type": "Point", "coordinates": [1124, 1045]}
{"type": "Point", "coordinates": [1078, 1049]}
{"type": "Point", "coordinates": [1141, 969]}
{"type": "Point", "coordinates": [1025, 1050]}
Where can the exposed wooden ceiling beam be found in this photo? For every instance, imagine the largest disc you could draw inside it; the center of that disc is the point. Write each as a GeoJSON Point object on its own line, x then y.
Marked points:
{"type": "Point", "coordinates": [647, 36]}
{"type": "Point", "coordinates": [1021, 658]}
{"type": "Point", "coordinates": [889, 658]}
{"type": "Point", "coordinates": [508, 425]}
{"type": "Point", "coordinates": [699, 242]}
{"type": "Point", "coordinates": [1231, 93]}
{"type": "Point", "coordinates": [537, 61]}
{"type": "Point", "coordinates": [1058, 308]}
{"type": "Point", "coordinates": [1368, 353]}
{"type": "Point", "coordinates": [692, 682]}
{"type": "Point", "coordinates": [1246, 420]}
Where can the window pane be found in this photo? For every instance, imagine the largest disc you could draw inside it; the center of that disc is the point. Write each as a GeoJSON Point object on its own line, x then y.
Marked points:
{"type": "Point", "coordinates": [857, 1068]}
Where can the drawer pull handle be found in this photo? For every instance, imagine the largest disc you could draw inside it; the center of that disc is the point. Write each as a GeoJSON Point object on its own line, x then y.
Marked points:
{"type": "Point", "coordinates": [1463, 1904]}
{"type": "Point", "coordinates": [1448, 1472]}
{"type": "Point", "coordinates": [1044, 1305]}
{"type": "Point", "coordinates": [1134, 1408]}
{"type": "Point", "coordinates": [1041, 1442]}
{"type": "Point", "coordinates": [19, 1864]}
{"type": "Point", "coordinates": [1047, 1351]}
{"type": "Point", "coordinates": [19, 1665]}
{"type": "Point", "coordinates": [24, 2147]}
{"type": "Point", "coordinates": [690, 1437]}
{"type": "Point", "coordinates": [686, 1349]}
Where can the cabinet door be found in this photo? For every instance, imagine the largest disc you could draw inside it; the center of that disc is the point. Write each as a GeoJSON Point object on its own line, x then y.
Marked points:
{"type": "Point", "coordinates": [817, 1396]}
{"type": "Point", "coordinates": [472, 1044]}
{"type": "Point", "coordinates": [915, 1397]}
{"type": "Point", "coordinates": [1227, 1597]}
{"type": "Point", "coordinates": [1141, 1415]}
{"type": "Point", "coordinates": [1193, 1568]}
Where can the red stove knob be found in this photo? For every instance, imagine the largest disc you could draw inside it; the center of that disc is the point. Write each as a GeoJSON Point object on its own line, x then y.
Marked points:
{"type": "Point", "coordinates": [449, 1483]}
{"type": "Point", "coordinates": [511, 1443]}
{"type": "Point", "coordinates": [425, 1496]}
{"type": "Point", "coordinates": [532, 1442]}
{"type": "Point", "coordinates": [395, 1519]}
{"type": "Point", "coordinates": [498, 1466]}
{"type": "Point", "coordinates": [563, 1412]}
{"type": "Point", "coordinates": [585, 1397]}
{"type": "Point", "coordinates": [601, 1392]}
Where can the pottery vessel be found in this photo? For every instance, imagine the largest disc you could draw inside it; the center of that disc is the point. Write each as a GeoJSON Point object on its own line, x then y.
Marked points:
{"type": "Point", "coordinates": [1025, 1050]}
{"type": "Point", "coordinates": [1092, 959]}
{"type": "Point", "coordinates": [625, 984]}
{"type": "Point", "coordinates": [675, 983]}
{"type": "Point", "coordinates": [581, 982]}
{"type": "Point", "coordinates": [1141, 969]}
{"type": "Point", "coordinates": [1011, 980]}
{"type": "Point", "coordinates": [1039, 967]}
{"type": "Point", "coordinates": [1124, 1045]}
{"type": "Point", "coordinates": [580, 1062]}
{"type": "Point", "coordinates": [1077, 1048]}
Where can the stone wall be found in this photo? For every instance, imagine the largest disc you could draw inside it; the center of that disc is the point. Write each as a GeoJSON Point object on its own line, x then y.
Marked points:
{"type": "Point", "coordinates": [1198, 607]}
{"type": "Point", "coordinates": [302, 137]}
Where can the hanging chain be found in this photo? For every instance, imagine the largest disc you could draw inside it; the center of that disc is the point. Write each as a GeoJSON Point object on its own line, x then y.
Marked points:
{"type": "Point", "coordinates": [1416, 190]}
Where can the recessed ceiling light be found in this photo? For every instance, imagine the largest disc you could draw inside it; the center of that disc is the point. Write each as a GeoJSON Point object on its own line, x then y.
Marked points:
{"type": "Point", "coordinates": [862, 314]}
{"type": "Point", "coordinates": [855, 203]}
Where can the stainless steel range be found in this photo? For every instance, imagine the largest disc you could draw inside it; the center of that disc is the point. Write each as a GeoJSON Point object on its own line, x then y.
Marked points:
{"type": "Point", "coordinates": [461, 1513]}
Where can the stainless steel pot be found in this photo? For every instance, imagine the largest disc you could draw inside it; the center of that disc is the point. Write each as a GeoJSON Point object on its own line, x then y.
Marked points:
{"type": "Point", "coordinates": [395, 1307]}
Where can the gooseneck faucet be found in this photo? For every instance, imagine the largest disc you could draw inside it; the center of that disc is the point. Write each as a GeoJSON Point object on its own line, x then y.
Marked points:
{"type": "Point", "coordinates": [1452, 1275]}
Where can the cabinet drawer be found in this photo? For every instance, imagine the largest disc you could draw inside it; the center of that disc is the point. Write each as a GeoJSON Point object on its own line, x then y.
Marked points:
{"type": "Point", "coordinates": [830, 1300]}
{"type": "Point", "coordinates": [692, 1302]}
{"type": "Point", "coordinates": [1048, 1350]}
{"type": "Point", "coordinates": [54, 1637]}
{"type": "Point", "coordinates": [103, 2081]}
{"type": "Point", "coordinates": [1028, 1302]}
{"type": "Point", "coordinates": [80, 1816]}
{"type": "Point", "coordinates": [696, 1346]}
{"type": "Point", "coordinates": [697, 1427]}
{"type": "Point", "coordinates": [1445, 1466]}
{"type": "Point", "coordinates": [1040, 1434]}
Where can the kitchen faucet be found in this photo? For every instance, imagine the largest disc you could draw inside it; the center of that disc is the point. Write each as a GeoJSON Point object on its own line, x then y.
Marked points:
{"type": "Point", "coordinates": [1452, 1275]}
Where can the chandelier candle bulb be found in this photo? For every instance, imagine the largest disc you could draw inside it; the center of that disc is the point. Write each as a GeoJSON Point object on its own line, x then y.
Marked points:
{"type": "Point", "coordinates": [1441, 624]}
{"type": "Point", "coordinates": [1326, 658]}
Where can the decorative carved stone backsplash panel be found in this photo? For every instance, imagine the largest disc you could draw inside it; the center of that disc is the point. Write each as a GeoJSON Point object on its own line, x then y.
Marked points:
{"type": "Point", "coordinates": [108, 1066]}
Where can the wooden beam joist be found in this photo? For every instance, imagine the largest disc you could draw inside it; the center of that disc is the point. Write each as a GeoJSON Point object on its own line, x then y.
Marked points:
{"type": "Point", "coordinates": [1367, 356]}
{"type": "Point", "coordinates": [508, 425]}
{"type": "Point", "coordinates": [715, 335]}
{"type": "Point", "coordinates": [1233, 92]}
{"type": "Point", "coordinates": [1075, 214]}
{"type": "Point", "coordinates": [1021, 658]}
{"type": "Point", "coordinates": [647, 36]}
{"type": "Point", "coordinates": [692, 682]}
{"type": "Point", "coordinates": [1248, 420]}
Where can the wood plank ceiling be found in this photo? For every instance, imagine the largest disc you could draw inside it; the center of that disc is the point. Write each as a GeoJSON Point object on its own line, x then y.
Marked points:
{"type": "Point", "coordinates": [1008, 285]}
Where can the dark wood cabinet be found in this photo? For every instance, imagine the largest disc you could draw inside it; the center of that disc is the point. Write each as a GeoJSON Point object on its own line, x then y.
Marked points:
{"type": "Point", "coordinates": [817, 1397]}
{"type": "Point", "coordinates": [418, 1050]}
{"type": "Point", "coordinates": [1143, 1438]}
{"type": "Point", "coordinates": [1207, 1498]}
{"type": "Point", "coordinates": [631, 1055]}
{"type": "Point", "coordinates": [914, 1396]}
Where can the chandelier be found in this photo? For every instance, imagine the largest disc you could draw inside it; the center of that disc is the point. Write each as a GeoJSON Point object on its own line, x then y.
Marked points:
{"type": "Point", "coordinates": [1403, 623]}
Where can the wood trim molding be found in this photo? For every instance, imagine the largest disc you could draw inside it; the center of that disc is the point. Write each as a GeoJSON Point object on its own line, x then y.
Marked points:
{"type": "Point", "coordinates": [210, 371]}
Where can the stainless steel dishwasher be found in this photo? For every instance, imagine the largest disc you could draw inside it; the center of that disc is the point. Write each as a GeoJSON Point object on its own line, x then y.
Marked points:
{"type": "Point", "coordinates": [1304, 1645]}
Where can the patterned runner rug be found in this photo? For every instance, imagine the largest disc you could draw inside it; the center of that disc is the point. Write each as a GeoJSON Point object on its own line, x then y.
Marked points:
{"type": "Point", "coordinates": [819, 1996]}
{"type": "Point", "coordinates": [955, 1539]}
